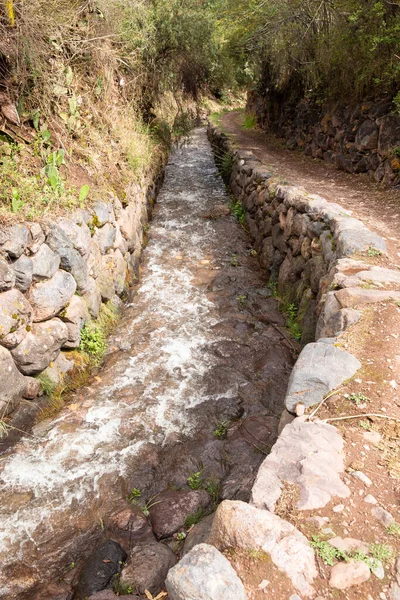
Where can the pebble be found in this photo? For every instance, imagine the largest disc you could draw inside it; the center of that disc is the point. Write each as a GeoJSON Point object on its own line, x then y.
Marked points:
{"type": "Point", "coordinates": [328, 531]}
{"type": "Point", "coordinates": [372, 436]}
{"type": "Point", "coordinates": [338, 508]}
{"type": "Point", "coordinates": [263, 584]}
{"type": "Point", "coordinates": [319, 522]}
{"type": "Point", "coordinates": [361, 477]}
{"type": "Point", "coordinates": [383, 516]}
{"type": "Point", "coordinates": [294, 597]}
{"type": "Point", "coordinates": [370, 499]}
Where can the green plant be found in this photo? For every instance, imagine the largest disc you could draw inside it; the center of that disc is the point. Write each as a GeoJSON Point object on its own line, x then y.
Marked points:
{"type": "Point", "coordinates": [4, 429]}
{"type": "Point", "coordinates": [93, 340]}
{"type": "Point", "coordinates": [273, 286]}
{"type": "Point", "coordinates": [238, 211]}
{"type": "Point", "coordinates": [48, 385]}
{"type": "Point", "coordinates": [181, 536]}
{"type": "Point", "coordinates": [194, 518]}
{"type": "Point", "coordinates": [381, 552]}
{"type": "Point", "coordinates": [290, 311]}
{"type": "Point", "coordinates": [149, 504]}
{"type": "Point", "coordinates": [327, 552]}
{"type": "Point", "coordinates": [213, 487]}
{"type": "Point", "coordinates": [365, 425]}
{"type": "Point", "coordinates": [358, 398]}
{"type": "Point", "coordinates": [373, 252]}
{"type": "Point", "coordinates": [393, 529]}
{"type": "Point", "coordinates": [134, 495]}
{"type": "Point", "coordinates": [249, 122]}
{"type": "Point", "coordinates": [234, 261]}
{"type": "Point", "coordinates": [241, 300]}
{"type": "Point", "coordinates": [222, 430]}
{"type": "Point", "coordinates": [194, 480]}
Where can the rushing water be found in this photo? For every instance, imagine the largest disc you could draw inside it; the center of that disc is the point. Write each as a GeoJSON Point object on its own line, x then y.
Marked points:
{"type": "Point", "coordinates": [58, 485]}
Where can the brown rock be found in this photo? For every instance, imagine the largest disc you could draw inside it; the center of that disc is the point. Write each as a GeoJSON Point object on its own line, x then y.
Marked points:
{"type": "Point", "coordinates": [171, 510]}
{"type": "Point", "coordinates": [345, 575]}
{"type": "Point", "coordinates": [147, 568]}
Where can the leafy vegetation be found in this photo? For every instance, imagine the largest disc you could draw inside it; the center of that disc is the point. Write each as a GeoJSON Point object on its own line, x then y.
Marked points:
{"type": "Point", "coordinates": [238, 211]}
{"type": "Point", "coordinates": [194, 480]}
{"type": "Point", "coordinates": [222, 430]}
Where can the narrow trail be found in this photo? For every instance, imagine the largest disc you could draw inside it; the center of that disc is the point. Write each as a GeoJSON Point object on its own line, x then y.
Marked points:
{"type": "Point", "coordinates": [378, 208]}
{"type": "Point", "coordinates": [189, 352]}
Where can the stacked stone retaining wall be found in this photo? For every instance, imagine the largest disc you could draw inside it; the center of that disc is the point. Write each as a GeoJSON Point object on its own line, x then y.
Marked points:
{"type": "Point", "coordinates": [54, 277]}
{"type": "Point", "coordinates": [357, 139]}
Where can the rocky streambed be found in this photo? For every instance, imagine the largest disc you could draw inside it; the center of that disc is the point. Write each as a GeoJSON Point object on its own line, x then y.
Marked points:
{"type": "Point", "coordinates": [181, 416]}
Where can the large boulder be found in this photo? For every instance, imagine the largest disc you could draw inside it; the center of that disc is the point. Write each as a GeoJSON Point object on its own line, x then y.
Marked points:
{"type": "Point", "coordinates": [75, 315]}
{"type": "Point", "coordinates": [240, 525]}
{"type": "Point", "coordinates": [49, 297]}
{"type": "Point", "coordinates": [13, 385]}
{"type": "Point", "coordinates": [79, 234]}
{"type": "Point", "coordinates": [320, 368]}
{"type": "Point", "coordinates": [15, 317]}
{"type": "Point", "coordinates": [309, 455]}
{"type": "Point", "coordinates": [389, 134]}
{"type": "Point", "coordinates": [96, 575]}
{"type": "Point", "coordinates": [204, 574]}
{"type": "Point", "coordinates": [367, 136]}
{"type": "Point", "coordinates": [147, 568]}
{"type": "Point", "coordinates": [170, 511]}
{"type": "Point", "coordinates": [40, 346]}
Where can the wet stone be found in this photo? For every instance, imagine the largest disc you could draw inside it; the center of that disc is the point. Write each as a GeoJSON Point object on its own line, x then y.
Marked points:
{"type": "Point", "coordinates": [99, 569]}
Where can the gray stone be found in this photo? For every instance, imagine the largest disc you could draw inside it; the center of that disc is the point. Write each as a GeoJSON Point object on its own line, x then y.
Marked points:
{"type": "Point", "coordinates": [172, 508]}
{"type": "Point", "coordinates": [14, 240]}
{"type": "Point", "coordinates": [349, 545]}
{"type": "Point", "coordinates": [240, 525]}
{"type": "Point", "coordinates": [79, 234]}
{"type": "Point", "coordinates": [309, 455]}
{"type": "Point", "coordinates": [50, 297]}
{"type": "Point", "coordinates": [361, 477]}
{"type": "Point", "coordinates": [383, 516]}
{"type": "Point", "coordinates": [394, 591]}
{"type": "Point", "coordinates": [104, 213]}
{"type": "Point", "coordinates": [71, 260]}
{"type": "Point", "coordinates": [319, 369]}
{"type": "Point", "coordinates": [352, 236]}
{"type": "Point", "coordinates": [7, 276]}
{"type": "Point", "coordinates": [389, 134]}
{"type": "Point", "coordinates": [75, 315]}
{"type": "Point", "coordinates": [94, 260]}
{"type": "Point", "coordinates": [120, 242]}
{"type": "Point", "coordinates": [92, 298]}
{"type": "Point", "coordinates": [23, 269]}
{"type": "Point", "coordinates": [13, 384]}
{"type": "Point", "coordinates": [147, 568]}
{"type": "Point", "coordinates": [199, 534]}
{"type": "Point", "coordinates": [105, 237]}
{"type": "Point", "coordinates": [40, 346]}
{"type": "Point", "coordinates": [347, 574]}
{"type": "Point", "coordinates": [58, 368]}
{"type": "Point", "coordinates": [105, 280]}
{"type": "Point", "coordinates": [367, 136]}
{"type": "Point", "coordinates": [109, 595]}
{"type": "Point", "coordinates": [15, 318]}
{"type": "Point", "coordinates": [37, 237]}
{"type": "Point", "coordinates": [130, 225]}
{"type": "Point", "coordinates": [204, 574]}
{"type": "Point", "coordinates": [114, 264]}
{"type": "Point", "coordinates": [44, 263]}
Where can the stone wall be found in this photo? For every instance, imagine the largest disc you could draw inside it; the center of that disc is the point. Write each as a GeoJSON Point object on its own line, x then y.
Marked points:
{"type": "Point", "coordinates": [54, 277]}
{"type": "Point", "coordinates": [360, 139]}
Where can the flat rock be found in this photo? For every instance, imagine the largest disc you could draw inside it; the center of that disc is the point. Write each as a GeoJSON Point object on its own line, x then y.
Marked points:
{"type": "Point", "coordinates": [40, 346]}
{"type": "Point", "coordinates": [147, 568]}
{"type": "Point", "coordinates": [100, 568]}
{"type": "Point", "coordinates": [7, 275]}
{"type": "Point", "coordinates": [348, 544]}
{"type": "Point", "coordinates": [50, 297]}
{"type": "Point", "coordinates": [319, 369]}
{"type": "Point", "coordinates": [382, 515]}
{"type": "Point", "coordinates": [204, 574]}
{"type": "Point", "coordinates": [309, 455]}
{"type": "Point", "coordinates": [240, 525]}
{"type": "Point", "coordinates": [350, 297]}
{"type": "Point", "coordinates": [15, 317]}
{"type": "Point", "coordinates": [347, 574]}
{"type": "Point", "coordinates": [172, 509]}
{"type": "Point", "coordinates": [44, 263]}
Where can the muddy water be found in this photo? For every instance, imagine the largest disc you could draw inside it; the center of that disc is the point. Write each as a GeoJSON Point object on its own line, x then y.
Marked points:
{"type": "Point", "coordinates": [194, 348]}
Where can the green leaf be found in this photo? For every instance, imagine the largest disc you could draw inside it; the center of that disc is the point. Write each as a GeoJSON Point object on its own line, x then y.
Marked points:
{"type": "Point", "coordinates": [52, 176]}
{"type": "Point", "coordinates": [60, 157]}
{"type": "Point", "coordinates": [73, 105]}
{"type": "Point", "coordinates": [46, 135]}
{"type": "Point", "coordinates": [68, 76]}
{"type": "Point", "coordinates": [36, 120]}
{"type": "Point", "coordinates": [83, 193]}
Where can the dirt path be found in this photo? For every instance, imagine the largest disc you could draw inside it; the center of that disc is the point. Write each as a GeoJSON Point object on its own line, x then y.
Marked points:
{"type": "Point", "coordinates": [378, 208]}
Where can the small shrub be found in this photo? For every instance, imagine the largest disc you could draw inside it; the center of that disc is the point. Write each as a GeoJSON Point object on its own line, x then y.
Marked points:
{"type": "Point", "coordinates": [93, 340]}
{"type": "Point", "coordinates": [373, 252]}
{"type": "Point", "coordinates": [222, 430]}
{"type": "Point", "coordinates": [249, 122]}
{"type": "Point", "coordinates": [238, 211]}
{"type": "Point", "coordinates": [359, 398]}
{"type": "Point", "coordinates": [194, 480]}
{"type": "Point", "coordinates": [327, 552]}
